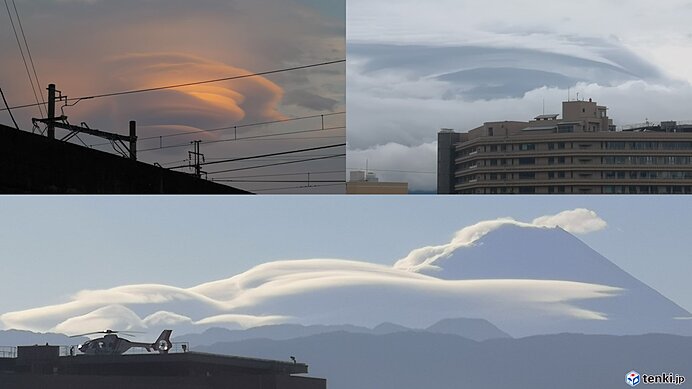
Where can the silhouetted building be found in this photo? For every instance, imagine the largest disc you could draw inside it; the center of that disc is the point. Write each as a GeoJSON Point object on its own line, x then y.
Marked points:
{"type": "Point", "coordinates": [581, 153]}
{"type": "Point", "coordinates": [43, 367]}
{"type": "Point", "coordinates": [30, 163]}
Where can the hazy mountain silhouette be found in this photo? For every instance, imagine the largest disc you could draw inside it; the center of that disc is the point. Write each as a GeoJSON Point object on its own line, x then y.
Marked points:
{"type": "Point", "coordinates": [15, 338]}
{"type": "Point", "coordinates": [516, 252]}
{"type": "Point", "coordinates": [475, 329]}
{"type": "Point", "coordinates": [414, 360]}
{"type": "Point", "coordinates": [524, 279]}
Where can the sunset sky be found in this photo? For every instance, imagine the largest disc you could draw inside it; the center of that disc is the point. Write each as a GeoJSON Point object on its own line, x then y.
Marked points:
{"type": "Point", "coordinates": [101, 46]}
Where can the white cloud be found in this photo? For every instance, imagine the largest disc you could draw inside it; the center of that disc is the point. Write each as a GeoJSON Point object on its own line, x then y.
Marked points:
{"type": "Point", "coordinates": [334, 291]}
{"type": "Point", "coordinates": [576, 221]}
{"type": "Point", "coordinates": [403, 103]}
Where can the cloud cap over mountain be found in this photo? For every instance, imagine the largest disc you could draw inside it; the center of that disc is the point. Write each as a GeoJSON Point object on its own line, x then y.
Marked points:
{"type": "Point", "coordinates": [476, 275]}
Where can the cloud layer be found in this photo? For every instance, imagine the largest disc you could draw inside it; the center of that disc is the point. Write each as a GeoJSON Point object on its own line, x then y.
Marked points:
{"type": "Point", "coordinates": [458, 65]}
{"type": "Point", "coordinates": [334, 291]}
{"type": "Point", "coordinates": [208, 39]}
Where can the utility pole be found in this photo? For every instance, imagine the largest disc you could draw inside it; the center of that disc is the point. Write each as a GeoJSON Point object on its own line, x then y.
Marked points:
{"type": "Point", "coordinates": [51, 111]}
{"type": "Point", "coordinates": [197, 156]}
{"type": "Point", "coordinates": [121, 143]}
{"type": "Point", "coordinates": [133, 140]}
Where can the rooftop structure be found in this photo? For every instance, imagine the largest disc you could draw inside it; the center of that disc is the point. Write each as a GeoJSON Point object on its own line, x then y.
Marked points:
{"type": "Point", "coordinates": [43, 366]}
{"type": "Point", "coordinates": [362, 182]}
{"type": "Point", "coordinates": [580, 153]}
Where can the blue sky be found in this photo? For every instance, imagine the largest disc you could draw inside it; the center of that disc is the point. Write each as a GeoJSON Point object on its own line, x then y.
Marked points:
{"type": "Point", "coordinates": [56, 246]}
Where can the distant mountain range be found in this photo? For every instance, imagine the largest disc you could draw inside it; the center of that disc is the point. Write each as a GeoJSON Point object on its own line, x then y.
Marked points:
{"type": "Point", "coordinates": [414, 360]}
{"type": "Point", "coordinates": [475, 329]}
{"type": "Point", "coordinates": [523, 278]}
{"type": "Point", "coordinates": [13, 338]}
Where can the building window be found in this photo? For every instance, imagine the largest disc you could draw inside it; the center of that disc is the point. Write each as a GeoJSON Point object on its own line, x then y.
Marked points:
{"type": "Point", "coordinates": [527, 190]}
{"type": "Point", "coordinates": [527, 161]}
{"type": "Point", "coordinates": [527, 146]}
{"type": "Point", "coordinates": [527, 176]}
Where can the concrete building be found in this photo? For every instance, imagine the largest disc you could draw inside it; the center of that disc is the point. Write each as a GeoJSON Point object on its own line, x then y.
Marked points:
{"type": "Point", "coordinates": [44, 367]}
{"type": "Point", "coordinates": [361, 182]}
{"type": "Point", "coordinates": [580, 153]}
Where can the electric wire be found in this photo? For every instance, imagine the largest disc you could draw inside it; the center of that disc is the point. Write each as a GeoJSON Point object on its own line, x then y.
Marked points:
{"type": "Point", "coordinates": [281, 181]}
{"type": "Point", "coordinates": [234, 127]}
{"type": "Point", "coordinates": [175, 86]}
{"type": "Point", "coordinates": [26, 66]}
{"type": "Point", "coordinates": [280, 175]}
{"type": "Point", "coordinates": [296, 187]}
{"type": "Point", "coordinates": [278, 164]}
{"type": "Point", "coordinates": [254, 137]}
{"type": "Point", "coordinates": [31, 58]}
{"type": "Point", "coordinates": [10, 111]}
{"type": "Point", "coordinates": [391, 171]}
{"type": "Point", "coordinates": [266, 155]}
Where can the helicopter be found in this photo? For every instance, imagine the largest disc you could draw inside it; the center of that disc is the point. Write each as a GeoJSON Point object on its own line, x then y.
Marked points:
{"type": "Point", "coordinates": [112, 344]}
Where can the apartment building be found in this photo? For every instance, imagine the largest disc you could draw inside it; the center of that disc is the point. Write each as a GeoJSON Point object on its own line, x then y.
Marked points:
{"type": "Point", "coordinates": [580, 153]}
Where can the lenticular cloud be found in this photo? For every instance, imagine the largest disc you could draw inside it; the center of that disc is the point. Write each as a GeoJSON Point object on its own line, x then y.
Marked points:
{"type": "Point", "coordinates": [426, 286]}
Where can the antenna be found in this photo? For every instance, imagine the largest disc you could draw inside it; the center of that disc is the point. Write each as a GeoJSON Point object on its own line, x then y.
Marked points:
{"type": "Point", "coordinates": [366, 169]}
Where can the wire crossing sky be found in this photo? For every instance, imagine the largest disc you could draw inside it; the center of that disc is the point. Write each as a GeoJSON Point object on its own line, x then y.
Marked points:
{"type": "Point", "coordinates": [269, 67]}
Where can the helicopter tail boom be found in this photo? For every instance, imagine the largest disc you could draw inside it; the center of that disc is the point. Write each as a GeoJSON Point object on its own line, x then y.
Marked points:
{"type": "Point", "coordinates": [163, 343]}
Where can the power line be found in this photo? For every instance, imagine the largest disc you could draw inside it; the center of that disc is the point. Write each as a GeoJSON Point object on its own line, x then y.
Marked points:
{"type": "Point", "coordinates": [268, 155]}
{"type": "Point", "coordinates": [278, 164]}
{"type": "Point", "coordinates": [296, 187]}
{"type": "Point", "coordinates": [174, 86]}
{"type": "Point", "coordinates": [247, 125]}
{"type": "Point", "coordinates": [233, 127]}
{"type": "Point", "coordinates": [392, 171]}
{"type": "Point", "coordinates": [26, 66]}
{"type": "Point", "coordinates": [255, 137]}
{"type": "Point", "coordinates": [280, 175]}
{"type": "Point", "coordinates": [11, 116]}
{"type": "Point", "coordinates": [279, 181]}
{"type": "Point", "coordinates": [31, 58]}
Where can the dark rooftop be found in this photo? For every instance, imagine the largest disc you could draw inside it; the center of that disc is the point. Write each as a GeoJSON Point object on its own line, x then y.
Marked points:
{"type": "Point", "coordinates": [31, 163]}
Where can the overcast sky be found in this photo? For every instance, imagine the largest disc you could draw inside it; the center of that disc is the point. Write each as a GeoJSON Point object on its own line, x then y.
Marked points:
{"type": "Point", "coordinates": [417, 67]}
{"type": "Point", "coordinates": [54, 247]}
{"type": "Point", "coordinates": [100, 46]}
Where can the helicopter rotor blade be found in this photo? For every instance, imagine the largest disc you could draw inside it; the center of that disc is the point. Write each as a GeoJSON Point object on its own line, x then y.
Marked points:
{"type": "Point", "coordinates": [126, 333]}
{"type": "Point", "coordinates": [87, 334]}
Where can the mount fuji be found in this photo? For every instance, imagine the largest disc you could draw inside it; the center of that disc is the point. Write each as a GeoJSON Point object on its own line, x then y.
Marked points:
{"type": "Point", "coordinates": [525, 278]}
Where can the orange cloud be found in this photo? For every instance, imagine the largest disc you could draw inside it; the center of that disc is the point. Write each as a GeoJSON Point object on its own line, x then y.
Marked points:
{"type": "Point", "coordinates": [255, 98]}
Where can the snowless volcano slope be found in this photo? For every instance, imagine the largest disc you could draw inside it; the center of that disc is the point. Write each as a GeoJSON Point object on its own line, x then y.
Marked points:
{"type": "Point", "coordinates": [523, 277]}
